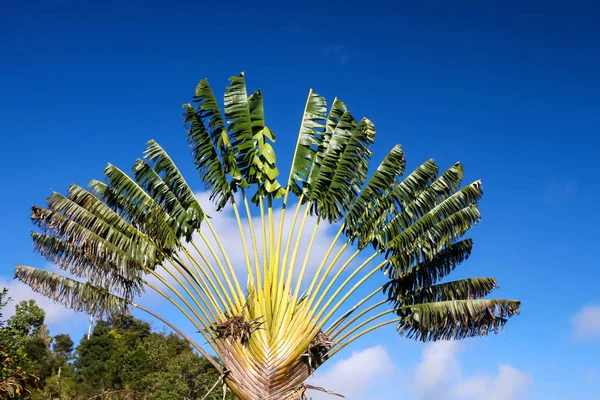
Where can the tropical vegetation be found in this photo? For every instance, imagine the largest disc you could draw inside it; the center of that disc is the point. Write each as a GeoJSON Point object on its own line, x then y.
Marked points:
{"type": "Point", "coordinates": [121, 359]}
{"type": "Point", "coordinates": [267, 331]}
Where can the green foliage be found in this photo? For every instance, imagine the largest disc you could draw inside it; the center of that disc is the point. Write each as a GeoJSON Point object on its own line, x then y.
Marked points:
{"type": "Point", "coordinates": [185, 376]}
{"type": "Point", "coordinates": [249, 137]}
{"type": "Point", "coordinates": [124, 357]}
{"type": "Point", "coordinates": [159, 176]}
{"type": "Point", "coordinates": [39, 358]}
{"type": "Point", "coordinates": [28, 319]}
{"type": "Point", "coordinates": [77, 295]}
{"type": "Point", "coordinates": [446, 320]}
{"type": "Point", "coordinates": [4, 299]}
{"type": "Point", "coordinates": [124, 228]}
{"type": "Point", "coordinates": [63, 346]}
{"type": "Point", "coordinates": [59, 386]}
{"type": "Point", "coordinates": [243, 151]}
{"type": "Point", "coordinates": [14, 381]}
{"type": "Point", "coordinates": [16, 377]}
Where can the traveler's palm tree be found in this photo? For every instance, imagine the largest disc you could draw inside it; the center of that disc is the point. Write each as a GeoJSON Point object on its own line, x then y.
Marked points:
{"type": "Point", "coordinates": [146, 231]}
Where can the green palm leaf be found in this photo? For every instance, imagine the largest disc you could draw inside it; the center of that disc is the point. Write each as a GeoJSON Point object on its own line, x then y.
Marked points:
{"type": "Point", "coordinates": [396, 234]}
{"type": "Point", "coordinates": [212, 170]}
{"type": "Point", "coordinates": [96, 248]}
{"type": "Point", "coordinates": [334, 138]}
{"type": "Point", "coordinates": [75, 260]}
{"type": "Point", "coordinates": [208, 110]}
{"type": "Point", "coordinates": [426, 245]}
{"type": "Point", "coordinates": [124, 195]}
{"type": "Point", "coordinates": [388, 205]}
{"type": "Point", "coordinates": [337, 111]}
{"type": "Point", "coordinates": [255, 157]}
{"type": "Point", "coordinates": [69, 209]}
{"type": "Point", "coordinates": [95, 206]}
{"type": "Point", "coordinates": [71, 293]}
{"type": "Point", "coordinates": [456, 319]}
{"type": "Point", "coordinates": [376, 191]}
{"type": "Point", "coordinates": [265, 159]}
{"type": "Point", "coordinates": [411, 186]}
{"type": "Point", "coordinates": [237, 112]}
{"type": "Point", "coordinates": [442, 187]}
{"type": "Point", "coordinates": [409, 210]}
{"type": "Point", "coordinates": [309, 139]}
{"type": "Point", "coordinates": [163, 165]}
{"type": "Point", "coordinates": [464, 289]}
{"type": "Point", "coordinates": [430, 271]}
{"type": "Point", "coordinates": [344, 169]}
{"type": "Point", "coordinates": [185, 223]}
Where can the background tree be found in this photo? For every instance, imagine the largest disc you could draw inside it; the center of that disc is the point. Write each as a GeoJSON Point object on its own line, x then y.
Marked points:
{"type": "Point", "coordinates": [63, 346]}
{"type": "Point", "coordinates": [59, 382]}
{"type": "Point", "coordinates": [31, 338]}
{"type": "Point", "coordinates": [15, 380]}
{"type": "Point", "coordinates": [125, 358]}
{"type": "Point", "coordinates": [273, 334]}
{"type": "Point", "coordinates": [28, 320]}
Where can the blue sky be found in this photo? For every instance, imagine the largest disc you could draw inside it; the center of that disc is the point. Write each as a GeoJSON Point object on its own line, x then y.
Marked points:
{"type": "Point", "coordinates": [511, 91]}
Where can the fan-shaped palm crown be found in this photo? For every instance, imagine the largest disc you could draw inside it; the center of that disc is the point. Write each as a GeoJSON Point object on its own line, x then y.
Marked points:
{"type": "Point", "coordinates": [147, 231]}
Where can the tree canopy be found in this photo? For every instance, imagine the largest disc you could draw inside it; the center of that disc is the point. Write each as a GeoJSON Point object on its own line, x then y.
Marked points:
{"type": "Point", "coordinates": [123, 358]}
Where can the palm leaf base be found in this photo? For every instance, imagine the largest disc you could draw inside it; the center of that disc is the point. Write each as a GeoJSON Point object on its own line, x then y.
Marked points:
{"type": "Point", "coordinates": [263, 369]}
{"type": "Point", "coordinates": [267, 382]}
{"type": "Point", "coordinates": [282, 392]}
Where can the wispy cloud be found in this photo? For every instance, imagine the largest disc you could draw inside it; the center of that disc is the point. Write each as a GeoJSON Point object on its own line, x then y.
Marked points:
{"type": "Point", "coordinates": [508, 384]}
{"type": "Point", "coordinates": [586, 322]}
{"type": "Point", "coordinates": [439, 376]}
{"type": "Point", "coordinates": [558, 190]}
{"type": "Point", "coordinates": [294, 27]}
{"type": "Point", "coordinates": [592, 376]}
{"type": "Point", "coordinates": [438, 365]}
{"type": "Point", "coordinates": [372, 374]}
{"type": "Point", "coordinates": [338, 52]}
{"type": "Point", "coordinates": [356, 375]}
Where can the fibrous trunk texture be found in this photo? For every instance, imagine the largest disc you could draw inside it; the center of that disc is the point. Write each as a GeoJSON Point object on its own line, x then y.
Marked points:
{"type": "Point", "coordinates": [272, 376]}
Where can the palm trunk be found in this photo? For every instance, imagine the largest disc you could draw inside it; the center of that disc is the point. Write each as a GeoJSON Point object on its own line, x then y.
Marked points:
{"type": "Point", "coordinates": [266, 385]}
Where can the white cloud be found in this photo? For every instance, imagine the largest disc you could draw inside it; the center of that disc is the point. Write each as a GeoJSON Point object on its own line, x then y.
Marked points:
{"type": "Point", "coordinates": [509, 384]}
{"type": "Point", "coordinates": [372, 374]}
{"type": "Point", "coordinates": [559, 191]}
{"type": "Point", "coordinates": [338, 52]}
{"type": "Point", "coordinates": [356, 375]}
{"type": "Point", "coordinates": [586, 323]}
{"type": "Point", "coordinates": [438, 365]}
{"type": "Point", "coordinates": [439, 376]}
{"type": "Point", "coordinates": [592, 376]}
